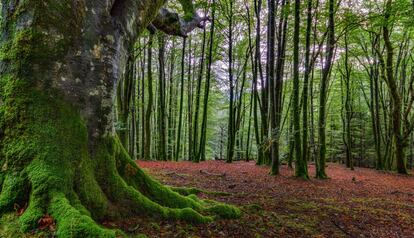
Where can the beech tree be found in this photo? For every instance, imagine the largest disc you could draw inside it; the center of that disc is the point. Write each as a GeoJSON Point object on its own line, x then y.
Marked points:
{"type": "Point", "coordinates": [321, 162]}
{"type": "Point", "coordinates": [60, 62]}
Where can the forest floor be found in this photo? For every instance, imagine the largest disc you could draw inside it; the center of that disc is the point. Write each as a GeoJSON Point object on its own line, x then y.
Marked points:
{"type": "Point", "coordinates": [360, 203]}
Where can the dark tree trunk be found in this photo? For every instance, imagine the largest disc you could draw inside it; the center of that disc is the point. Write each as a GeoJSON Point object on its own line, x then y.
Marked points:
{"type": "Point", "coordinates": [196, 145]}
{"type": "Point", "coordinates": [180, 113]}
{"type": "Point", "coordinates": [399, 138]}
{"type": "Point", "coordinates": [231, 124]}
{"type": "Point", "coordinates": [301, 168]}
{"type": "Point", "coordinates": [162, 133]}
{"type": "Point", "coordinates": [203, 139]}
{"type": "Point", "coordinates": [320, 168]}
{"type": "Point", "coordinates": [190, 105]}
{"type": "Point", "coordinates": [305, 105]}
{"type": "Point", "coordinates": [256, 103]}
{"type": "Point", "coordinates": [148, 113]}
{"type": "Point", "coordinates": [348, 114]}
{"type": "Point", "coordinates": [172, 102]}
{"type": "Point", "coordinates": [276, 96]}
{"type": "Point", "coordinates": [274, 130]}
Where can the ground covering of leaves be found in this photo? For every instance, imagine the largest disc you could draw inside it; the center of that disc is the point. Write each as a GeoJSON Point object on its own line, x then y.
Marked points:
{"type": "Point", "coordinates": [360, 203]}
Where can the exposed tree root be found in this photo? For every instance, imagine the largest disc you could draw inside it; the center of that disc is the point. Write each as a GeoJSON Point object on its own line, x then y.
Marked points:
{"type": "Point", "coordinates": [108, 186]}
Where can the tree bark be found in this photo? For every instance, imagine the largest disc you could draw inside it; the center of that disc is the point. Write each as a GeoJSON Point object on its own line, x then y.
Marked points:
{"type": "Point", "coordinates": [162, 129]}
{"type": "Point", "coordinates": [320, 168]}
{"type": "Point", "coordinates": [274, 130]}
{"type": "Point", "coordinates": [203, 139]}
{"type": "Point", "coordinates": [180, 114]}
{"type": "Point", "coordinates": [148, 113]}
{"type": "Point", "coordinates": [256, 103]}
{"type": "Point", "coordinates": [399, 139]}
{"type": "Point", "coordinates": [301, 168]}
{"type": "Point", "coordinates": [305, 106]}
{"type": "Point", "coordinates": [231, 124]}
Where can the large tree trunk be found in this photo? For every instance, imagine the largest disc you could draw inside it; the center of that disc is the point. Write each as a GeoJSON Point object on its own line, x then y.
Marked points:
{"type": "Point", "coordinates": [400, 140]}
{"type": "Point", "coordinates": [60, 60]}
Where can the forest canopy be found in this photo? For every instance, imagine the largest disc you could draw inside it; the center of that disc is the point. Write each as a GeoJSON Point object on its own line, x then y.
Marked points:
{"type": "Point", "coordinates": [331, 80]}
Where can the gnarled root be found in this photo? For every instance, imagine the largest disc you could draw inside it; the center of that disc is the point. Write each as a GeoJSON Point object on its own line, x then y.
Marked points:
{"type": "Point", "coordinates": [103, 187]}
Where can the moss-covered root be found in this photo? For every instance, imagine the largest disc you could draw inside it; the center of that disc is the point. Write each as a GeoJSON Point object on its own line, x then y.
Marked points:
{"type": "Point", "coordinates": [135, 192]}
{"type": "Point", "coordinates": [166, 196]}
{"type": "Point", "coordinates": [113, 180]}
{"type": "Point", "coordinates": [12, 192]}
{"type": "Point", "coordinates": [72, 223]}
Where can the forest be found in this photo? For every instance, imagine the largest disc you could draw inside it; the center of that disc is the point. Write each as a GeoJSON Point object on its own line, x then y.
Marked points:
{"type": "Point", "coordinates": [206, 118]}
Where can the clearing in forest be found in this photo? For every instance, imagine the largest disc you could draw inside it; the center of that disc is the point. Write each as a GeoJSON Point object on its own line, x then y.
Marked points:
{"type": "Point", "coordinates": [360, 203]}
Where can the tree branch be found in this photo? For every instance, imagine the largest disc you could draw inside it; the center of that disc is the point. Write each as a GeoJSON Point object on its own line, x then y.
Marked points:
{"type": "Point", "coordinates": [172, 24]}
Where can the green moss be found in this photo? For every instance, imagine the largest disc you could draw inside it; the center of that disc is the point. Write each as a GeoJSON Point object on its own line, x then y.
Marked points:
{"type": "Point", "coordinates": [298, 205]}
{"type": "Point", "coordinates": [254, 207]}
{"type": "Point", "coordinates": [12, 192]}
{"type": "Point", "coordinates": [302, 224]}
{"type": "Point", "coordinates": [155, 226]}
{"type": "Point", "coordinates": [90, 192]}
{"type": "Point", "coordinates": [41, 137]}
{"type": "Point", "coordinates": [225, 211]}
{"type": "Point", "coordinates": [141, 236]}
{"type": "Point", "coordinates": [72, 223]}
{"type": "Point", "coordinates": [10, 228]}
{"type": "Point", "coordinates": [190, 191]}
{"type": "Point", "coordinates": [29, 219]}
{"type": "Point", "coordinates": [189, 215]}
{"type": "Point", "coordinates": [147, 186]}
{"type": "Point", "coordinates": [1, 179]}
{"type": "Point", "coordinates": [167, 197]}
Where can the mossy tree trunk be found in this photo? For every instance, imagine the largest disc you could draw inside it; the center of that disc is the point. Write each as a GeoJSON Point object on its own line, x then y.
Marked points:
{"type": "Point", "coordinates": [60, 61]}
{"type": "Point", "coordinates": [330, 51]}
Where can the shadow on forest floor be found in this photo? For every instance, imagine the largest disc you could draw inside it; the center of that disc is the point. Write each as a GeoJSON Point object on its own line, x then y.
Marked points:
{"type": "Point", "coordinates": [360, 203]}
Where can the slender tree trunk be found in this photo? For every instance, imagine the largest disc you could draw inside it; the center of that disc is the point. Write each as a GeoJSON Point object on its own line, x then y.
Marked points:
{"type": "Point", "coordinates": [203, 140]}
{"type": "Point", "coordinates": [231, 123]}
{"type": "Point", "coordinates": [180, 114]}
{"type": "Point", "coordinates": [133, 120]}
{"type": "Point", "coordinates": [144, 116]}
{"type": "Point", "coordinates": [162, 134]}
{"type": "Point", "coordinates": [190, 104]}
{"type": "Point", "coordinates": [197, 101]}
{"type": "Point", "coordinates": [274, 148]}
{"type": "Point", "coordinates": [171, 106]}
{"type": "Point", "coordinates": [148, 138]}
{"type": "Point", "coordinates": [256, 103]}
{"type": "Point", "coordinates": [305, 103]}
{"type": "Point", "coordinates": [301, 167]}
{"type": "Point", "coordinates": [124, 99]}
{"type": "Point", "coordinates": [276, 93]}
{"type": "Point", "coordinates": [320, 170]}
{"type": "Point", "coordinates": [348, 109]}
